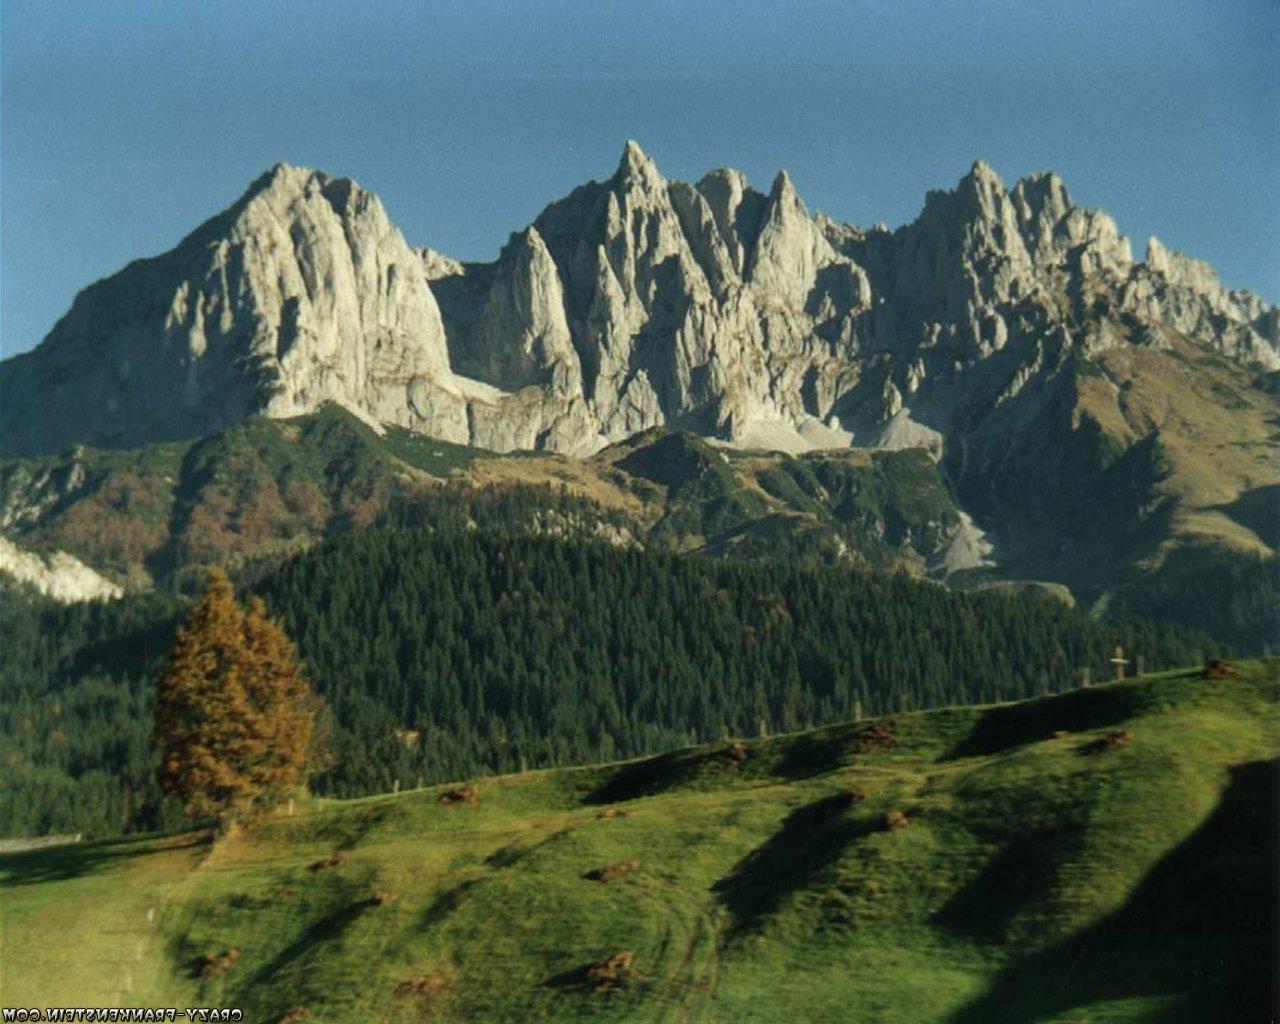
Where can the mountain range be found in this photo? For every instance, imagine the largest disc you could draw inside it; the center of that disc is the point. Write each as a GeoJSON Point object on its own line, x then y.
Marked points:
{"type": "Point", "coordinates": [1095, 415]}
{"type": "Point", "coordinates": [631, 303]}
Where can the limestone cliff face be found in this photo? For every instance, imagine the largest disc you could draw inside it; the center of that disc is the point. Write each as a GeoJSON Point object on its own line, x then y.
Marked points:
{"type": "Point", "coordinates": [645, 302]}
{"type": "Point", "coordinates": [1185, 294]}
{"type": "Point", "coordinates": [301, 292]}
{"type": "Point", "coordinates": [630, 303]}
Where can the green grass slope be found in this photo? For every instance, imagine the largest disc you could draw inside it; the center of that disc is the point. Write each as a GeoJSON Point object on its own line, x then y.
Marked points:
{"type": "Point", "coordinates": [1042, 875]}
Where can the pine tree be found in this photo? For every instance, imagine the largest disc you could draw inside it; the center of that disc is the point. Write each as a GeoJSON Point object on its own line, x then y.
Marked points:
{"type": "Point", "coordinates": [234, 716]}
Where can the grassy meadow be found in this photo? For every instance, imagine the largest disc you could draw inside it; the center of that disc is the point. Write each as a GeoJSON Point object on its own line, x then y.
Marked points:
{"type": "Point", "coordinates": [1102, 855]}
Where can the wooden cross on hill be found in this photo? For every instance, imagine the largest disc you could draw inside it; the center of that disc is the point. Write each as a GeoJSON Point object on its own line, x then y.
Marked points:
{"type": "Point", "coordinates": [1119, 662]}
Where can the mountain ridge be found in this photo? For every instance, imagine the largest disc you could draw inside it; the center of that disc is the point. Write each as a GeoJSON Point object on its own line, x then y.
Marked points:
{"type": "Point", "coordinates": [630, 303]}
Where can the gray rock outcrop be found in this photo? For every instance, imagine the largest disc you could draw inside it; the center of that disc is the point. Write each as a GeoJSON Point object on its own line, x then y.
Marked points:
{"type": "Point", "coordinates": [59, 575]}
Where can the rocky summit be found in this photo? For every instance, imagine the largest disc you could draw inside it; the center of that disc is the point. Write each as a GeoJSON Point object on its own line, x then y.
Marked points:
{"type": "Point", "coordinates": [631, 303]}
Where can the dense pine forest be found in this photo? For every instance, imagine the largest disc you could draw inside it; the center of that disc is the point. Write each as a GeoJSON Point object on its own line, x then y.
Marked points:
{"type": "Point", "coordinates": [78, 683]}
{"type": "Point", "coordinates": [448, 653]}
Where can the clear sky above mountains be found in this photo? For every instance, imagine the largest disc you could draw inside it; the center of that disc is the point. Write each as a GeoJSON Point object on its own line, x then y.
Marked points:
{"type": "Point", "coordinates": [123, 126]}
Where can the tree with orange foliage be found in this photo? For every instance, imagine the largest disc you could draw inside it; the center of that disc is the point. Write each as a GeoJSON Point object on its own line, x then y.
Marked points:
{"type": "Point", "coordinates": [235, 718]}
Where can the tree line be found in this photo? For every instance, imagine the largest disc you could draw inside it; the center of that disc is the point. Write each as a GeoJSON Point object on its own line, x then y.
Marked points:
{"type": "Point", "coordinates": [449, 653]}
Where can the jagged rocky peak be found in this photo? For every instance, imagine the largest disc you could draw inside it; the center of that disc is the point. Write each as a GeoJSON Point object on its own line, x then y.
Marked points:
{"type": "Point", "coordinates": [301, 292]}
{"type": "Point", "coordinates": [436, 265]}
{"type": "Point", "coordinates": [1183, 271]}
{"type": "Point", "coordinates": [1192, 277]}
{"type": "Point", "coordinates": [283, 183]}
{"type": "Point", "coordinates": [736, 208]}
{"type": "Point", "coordinates": [630, 303]}
{"type": "Point", "coordinates": [791, 252]}
{"type": "Point", "coordinates": [1056, 230]}
{"type": "Point", "coordinates": [981, 246]}
{"type": "Point", "coordinates": [1041, 197]}
{"type": "Point", "coordinates": [1185, 294]}
{"type": "Point", "coordinates": [522, 335]}
{"type": "Point", "coordinates": [637, 171]}
{"type": "Point", "coordinates": [788, 245]}
{"type": "Point", "coordinates": [1034, 224]}
{"type": "Point", "coordinates": [979, 197]}
{"type": "Point", "coordinates": [983, 189]}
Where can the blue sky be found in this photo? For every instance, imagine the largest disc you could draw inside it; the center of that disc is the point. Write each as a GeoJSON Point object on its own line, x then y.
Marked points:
{"type": "Point", "coordinates": [124, 125]}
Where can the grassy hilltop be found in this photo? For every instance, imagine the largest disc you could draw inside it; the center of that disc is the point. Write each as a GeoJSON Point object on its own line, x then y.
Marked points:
{"type": "Point", "coordinates": [1102, 855]}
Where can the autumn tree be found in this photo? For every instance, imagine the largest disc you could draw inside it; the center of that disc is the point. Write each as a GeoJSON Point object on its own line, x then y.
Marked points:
{"type": "Point", "coordinates": [234, 715]}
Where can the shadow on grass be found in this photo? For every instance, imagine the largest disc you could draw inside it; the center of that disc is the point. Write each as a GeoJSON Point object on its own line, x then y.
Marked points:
{"type": "Point", "coordinates": [802, 757]}
{"type": "Point", "coordinates": [1020, 875]}
{"type": "Point", "coordinates": [613, 972]}
{"type": "Point", "coordinates": [1199, 932]}
{"type": "Point", "coordinates": [326, 929]}
{"type": "Point", "coordinates": [513, 853]}
{"type": "Point", "coordinates": [811, 838]}
{"type": "Point", "coordinates": [1257, 510]}
{"type": "Point", "coordinates": [60, 863]}
{"type": "Point", "coordinates": [446, 903]}
{"type": "Point", "coordinates": [574, 978]}
{"type": "Point", "coordinates": [509, 855]}
{"type": "Point", "coordinates": [651, 776]}
{"type": "Point", "coordinates": [1014, 725]}
{"type": "Point", "coordinates": [817, 753]}
{"type": "Point", "coordinates": [345, 830]}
